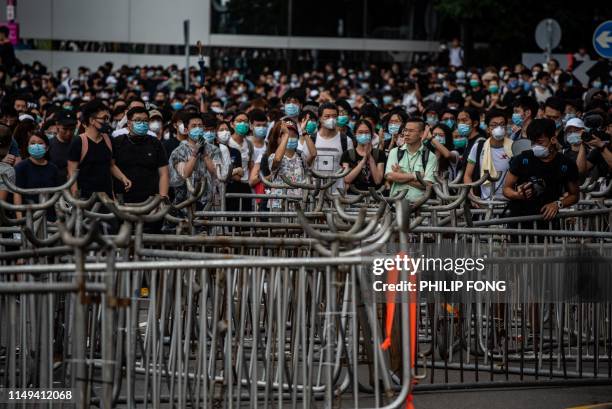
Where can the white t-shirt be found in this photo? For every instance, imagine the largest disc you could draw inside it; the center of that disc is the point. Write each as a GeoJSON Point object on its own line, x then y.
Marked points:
{"type": "Point", "coordinates": [501, 162]}
{"type": "Point", "coordinates": [258, 153]}
{"type": "Point", "coordinates": [329, 152]}
{"type": "Point", "coordinates": [455, 55]}
{"type": "Point", "coordinates": [244, 154]}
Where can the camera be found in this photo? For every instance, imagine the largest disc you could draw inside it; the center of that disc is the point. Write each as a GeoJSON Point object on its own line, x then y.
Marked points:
{"type": "Point", "coordinates": [538, 185]}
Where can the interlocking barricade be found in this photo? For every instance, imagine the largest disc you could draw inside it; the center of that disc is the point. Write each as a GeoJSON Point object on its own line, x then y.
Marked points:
{"type": "Point", "coordinates": [273, 307]}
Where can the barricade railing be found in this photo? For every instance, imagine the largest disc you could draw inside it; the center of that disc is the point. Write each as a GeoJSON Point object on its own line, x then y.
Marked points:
{"type": "Point", "coordinates": [273, 308]}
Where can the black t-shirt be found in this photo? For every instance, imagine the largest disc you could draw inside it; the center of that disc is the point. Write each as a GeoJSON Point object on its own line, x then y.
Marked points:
{"type": "Point", "coordinates": [600, 166]}
{"type": "Point", "coordinates": [7, 56]}
{"type": "Point", "coordinates": [29, 175]}
{"type": "Point", "coordinates": [478, 96]}
{"type": "Point", "coordinates": [364, 180]}
{"type": "Point", "coordinates": [139, 158]}
{"type": "Point", "coordinates": [171, 144]}
{"type": "Point", "coordinates": [553, 175]}
{"type": "Point", "coordinates": [95, 169]}
{"type": "Point", "coordinates": [58, 155]}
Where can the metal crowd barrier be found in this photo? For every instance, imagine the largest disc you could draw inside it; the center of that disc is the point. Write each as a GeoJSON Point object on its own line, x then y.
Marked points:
{"type": "Point", "coordinates": [272, 308]}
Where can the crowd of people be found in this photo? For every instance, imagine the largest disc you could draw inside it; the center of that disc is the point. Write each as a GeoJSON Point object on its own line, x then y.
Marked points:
{"type": "Point", "coordinates": [134, 132]}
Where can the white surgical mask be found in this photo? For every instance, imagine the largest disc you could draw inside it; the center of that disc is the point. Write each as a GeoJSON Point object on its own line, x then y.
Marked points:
{"type": "Point", "coordinates": [181, 129]}
{"type": "Point", "coordinates": [223, 136]}
{"type": "Point", "coordinates": [330, 123]}
{"type": "Point", "coordinates": [155, 126]}
{"type": "Point", "coordinates": [540, 151]}
{"type": "Point", "coordinates": [498, 133]}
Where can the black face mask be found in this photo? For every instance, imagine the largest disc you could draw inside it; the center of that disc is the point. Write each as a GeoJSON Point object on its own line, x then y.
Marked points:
{"type": "Point", "coordinates": [105, 128]}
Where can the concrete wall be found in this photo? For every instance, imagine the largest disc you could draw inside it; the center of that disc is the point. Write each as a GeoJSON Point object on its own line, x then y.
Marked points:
{"type": "Point", "coordinates": [129, 21]}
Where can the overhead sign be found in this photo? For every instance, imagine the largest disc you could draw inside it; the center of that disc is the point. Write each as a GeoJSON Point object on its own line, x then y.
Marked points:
{"type": "Point", "coordinates": [548, 34]}
{"type": "Point", "coordinates": [602, 39]}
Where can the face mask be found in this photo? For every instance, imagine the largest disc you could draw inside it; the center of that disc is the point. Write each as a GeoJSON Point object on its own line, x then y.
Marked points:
{"type": "Point", "coordinates": [364, 138]}
{"type": "Point", "coordinates": [440, 139]}
{"type": "Point", "coordinates": [474, 83]}
{"type": "Point", "coordinates": [459, 142]}
{"type": "Point", "coordinates": [292, 144]}
{"type": "Point", "coordinates": [196, 134]}
{"type": "Point", "coordinates": [140, 128]}
{"type": "Point", "coordinates": [498, 133]}
{"type": "Point", "coordinates": [464, 129]}
{"type": "Point", "coordinates": [387, 99]}
{"type": "Point", "coordinates": [540, 151]}
{"type": "Point", "coordinates": [242, 128]}
{"type": "Point", "coordinates": [431, 120]}
{"type": "Point", "coordinates": [330, 123]}
{"type": "Point", "coordinates": [105, 128]}
{"type": "Point", "coordinates": [483, 126]}
{"type": "Point", "coordinates": [513, 84]}
{"type": "Point", "coordinates": [493, 89]}
{"type": "Point", "coordinates": [51, 135]}
{"type": "Point", "coordinates": [292, 109]}
{"type": "Point", "coordinates": [449, 122]}
{"type": "Point", "coordinates": [260, 132]}
{"type": "Point", "coordinates": [311, 127]}
{"type": "Point", "coordinates": [217, 110]}
{"type": "Point", "coordinates": [400, 141]}
{"type": "Point", "coordinates": [394, 128]}
{"type": "Point", "coordinates": [223, 136]}
{"type": "Point", "coordinates": [209, 136]}
{"type": "Point", "coordinates": [596, 84]}
{"type": "Point", "coordinates": [517, 119]}
{"type": "Point", "coordinates": [177, 106]}
{"type": "Point", "coordinates": [181, 129]}
{"type": "Point", "coordinates": [527, 86]}
{"type": "Point", "coordinates": [343, 120]}
{"type": "Point", "coordinates": [155, 126]}
{"type": "Point", "coordinates": [351, 126]}
{"type": "Point", "coordinates": [574, 138]}
{"type": "Point", "coordinates": [558, 124]}
{"type": "Point", "coordinates": [387, 136]}
{"type": "Point", "coordinates": [37, 150]}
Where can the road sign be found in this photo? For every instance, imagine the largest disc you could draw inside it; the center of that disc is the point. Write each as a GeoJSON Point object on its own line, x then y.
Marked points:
{"type": "Point", "coordinates": [548, 34]}
{"type": "Point", "coordinates": [602, 39]}
{"type": "Point", "coordinates": [580, 71]}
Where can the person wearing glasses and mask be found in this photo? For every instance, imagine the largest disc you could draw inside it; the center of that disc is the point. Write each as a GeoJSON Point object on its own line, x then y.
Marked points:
{"type": "Point", "coordinates": [92, 154]}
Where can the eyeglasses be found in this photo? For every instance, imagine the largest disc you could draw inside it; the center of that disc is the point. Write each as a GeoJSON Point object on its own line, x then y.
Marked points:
{"type": "Point", "coordinates": [496, 124]}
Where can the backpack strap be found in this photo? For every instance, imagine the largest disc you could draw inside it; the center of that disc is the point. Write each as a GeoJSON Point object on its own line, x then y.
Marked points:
{"type": "Point", "coordinates": [479, 147]}
{"type": "Point", "coordinates": [344, 142]}
{"type": "Point", "coordinates": [251, 149]}
{"type": "Point", "coordinates": [424, 159]}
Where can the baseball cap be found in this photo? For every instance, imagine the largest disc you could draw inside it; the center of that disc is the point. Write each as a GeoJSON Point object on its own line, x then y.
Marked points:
{"type": "Point", "coordinates": [155, 113]}
{"type": "Point", "coordinates": [66, 118]}
{"type": "Point", "coordinates": [575, 122]}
